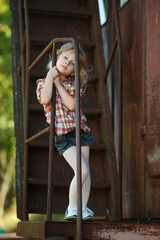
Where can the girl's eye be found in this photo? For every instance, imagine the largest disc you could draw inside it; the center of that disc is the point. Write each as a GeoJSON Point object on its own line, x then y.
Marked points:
{"type": "Point", "coordinates": [65, 57]}
{"type": "Point", "coordinates": [72, 64]}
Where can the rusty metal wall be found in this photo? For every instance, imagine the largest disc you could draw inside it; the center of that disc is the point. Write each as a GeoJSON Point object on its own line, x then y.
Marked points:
{"type": "Point", "coordinates": [131, 18]}
{"type": "Point", "coordinates": [133, 167]}
{"type": "Point", "coordinates": [139, 26]}
{"type": "Point", "coordinates": [152, 109]}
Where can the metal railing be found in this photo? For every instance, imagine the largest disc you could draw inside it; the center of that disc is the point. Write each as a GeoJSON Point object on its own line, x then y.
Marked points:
{"type": "Point", "coordinates": [27, 140]}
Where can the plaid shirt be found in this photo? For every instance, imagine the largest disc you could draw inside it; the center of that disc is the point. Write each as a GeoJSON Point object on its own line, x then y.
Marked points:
{"type": "Point", "coordinates": [65, 120]}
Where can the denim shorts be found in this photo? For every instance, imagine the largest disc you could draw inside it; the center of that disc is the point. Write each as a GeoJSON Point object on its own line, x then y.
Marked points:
{"type": "Point", "coordinates": [68, 140]}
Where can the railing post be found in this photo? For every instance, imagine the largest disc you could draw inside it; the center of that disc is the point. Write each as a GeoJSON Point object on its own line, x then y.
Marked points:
{"type": "Point", "coordinates": [51, 145]}
{"type": "Point", "coordinates": [78, 143]}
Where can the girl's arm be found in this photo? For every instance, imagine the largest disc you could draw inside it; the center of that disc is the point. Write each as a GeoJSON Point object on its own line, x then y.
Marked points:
{"type": "Point", "coordinates": [46, 92]}
{"type": "Point", "coordinates": [68, 100]}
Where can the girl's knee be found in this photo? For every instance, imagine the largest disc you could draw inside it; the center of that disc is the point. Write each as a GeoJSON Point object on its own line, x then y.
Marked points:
{"type": "Point", "coordinates": [85, 173]}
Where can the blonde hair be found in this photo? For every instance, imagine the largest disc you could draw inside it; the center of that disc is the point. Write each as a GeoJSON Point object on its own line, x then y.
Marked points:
{"type": "Point", "coordinates": [82, 62]}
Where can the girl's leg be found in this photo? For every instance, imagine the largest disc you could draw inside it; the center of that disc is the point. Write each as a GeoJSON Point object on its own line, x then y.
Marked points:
{"type": "Point", "coordinates": [87, 214]}
{"type": "Point", "coordinates": [87, 183]}
{"type": "Point", "coordinates": [70, 156]}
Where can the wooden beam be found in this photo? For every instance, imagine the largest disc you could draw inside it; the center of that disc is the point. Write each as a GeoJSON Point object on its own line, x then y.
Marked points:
{"type": "Point", "coordinates": [91, 230]}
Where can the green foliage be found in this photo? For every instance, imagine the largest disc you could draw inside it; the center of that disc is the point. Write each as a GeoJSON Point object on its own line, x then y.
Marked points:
{"type": "Point", "coordinates": [6, 98]}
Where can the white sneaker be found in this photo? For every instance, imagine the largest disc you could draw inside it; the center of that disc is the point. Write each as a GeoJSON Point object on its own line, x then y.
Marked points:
{"type": "Point", "coordinates": [71, 213]}
{"type": "Point", "coordinates": [87, 214]}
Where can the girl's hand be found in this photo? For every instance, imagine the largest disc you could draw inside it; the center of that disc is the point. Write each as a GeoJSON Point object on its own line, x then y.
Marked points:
{"type": "Point", "coordinates": [46, 93]}
{"type": "Point", "coordinates": [67, 99]}
{"type": "Point", "coordinates": [53, 73]}
{"type": "Point", "coordinates": [57, 81]}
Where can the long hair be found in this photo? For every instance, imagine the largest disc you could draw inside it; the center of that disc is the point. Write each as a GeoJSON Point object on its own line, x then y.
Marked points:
{"type": "Point", "coordinates": [82, 62]}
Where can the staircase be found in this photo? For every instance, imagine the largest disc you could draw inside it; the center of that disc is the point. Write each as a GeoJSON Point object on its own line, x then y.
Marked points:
{"type": "Point", "coordinates": [37, 23]}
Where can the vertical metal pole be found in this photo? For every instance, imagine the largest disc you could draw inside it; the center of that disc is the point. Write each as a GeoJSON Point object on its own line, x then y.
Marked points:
{"type": "Point", "coordinates": [27, 33]}
{"type": "Point", "coordinates": [26, 118]}
{"type": "Point", "coordinates": [25, 177]}
{"type": "Point", "coordinates": [23, 45]}
{"type": "Point", "coordinates": [78, 143]}
{"type": "Point", "coordinates": [51, 146]}
{"type": "Point", "coordinates": [120, 78]}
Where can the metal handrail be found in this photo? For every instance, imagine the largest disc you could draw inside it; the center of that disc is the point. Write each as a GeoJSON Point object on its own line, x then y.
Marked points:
{"type": "Point", "coordinates": [52, 46]}
{"type": "Point", "coordinates": [113, 50]}
{"type": "Point", "coordinates": [37, 135]}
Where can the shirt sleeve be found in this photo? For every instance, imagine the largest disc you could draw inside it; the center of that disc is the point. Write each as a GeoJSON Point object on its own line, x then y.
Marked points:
{"type": "Point", "coordinates": [40, 84]}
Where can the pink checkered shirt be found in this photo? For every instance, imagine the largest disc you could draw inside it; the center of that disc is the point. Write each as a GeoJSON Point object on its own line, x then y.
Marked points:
{"type": "Point", "coordinates": [65, 120]}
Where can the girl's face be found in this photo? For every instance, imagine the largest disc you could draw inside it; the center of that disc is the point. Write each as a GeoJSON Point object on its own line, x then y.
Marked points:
{"type": "Point", "coordinates": [66, 64]}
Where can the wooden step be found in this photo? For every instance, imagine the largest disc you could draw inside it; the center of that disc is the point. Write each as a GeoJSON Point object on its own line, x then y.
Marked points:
{"type": "Point", "coordinates": [38, 74]}
{"type": "Point", "coordinates": [91, 230]}
{"type": "Point", "coordinates": [64, 13]}
{"type": "Point", "coordinates": [43, 43]}
{"type": "Point", "coordinates": [100, 147]}
{"type": "Point", "coordinates": [90, 111]}
{"type": "Point", "coordinates": [56, 183]}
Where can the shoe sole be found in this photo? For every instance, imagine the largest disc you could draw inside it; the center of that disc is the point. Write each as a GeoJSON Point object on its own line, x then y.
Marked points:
{"type": "Point", "coordinates": [88, 219]}
{"type": "Point", "coordinates": [71, 218]}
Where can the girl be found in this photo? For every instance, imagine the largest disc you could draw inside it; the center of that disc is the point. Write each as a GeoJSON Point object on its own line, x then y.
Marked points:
{"type": "Point", "coordinates": [62, 76]}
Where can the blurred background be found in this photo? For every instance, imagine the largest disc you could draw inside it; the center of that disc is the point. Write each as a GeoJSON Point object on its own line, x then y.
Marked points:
{"type": "Point", "coordinates": [8, 219]}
